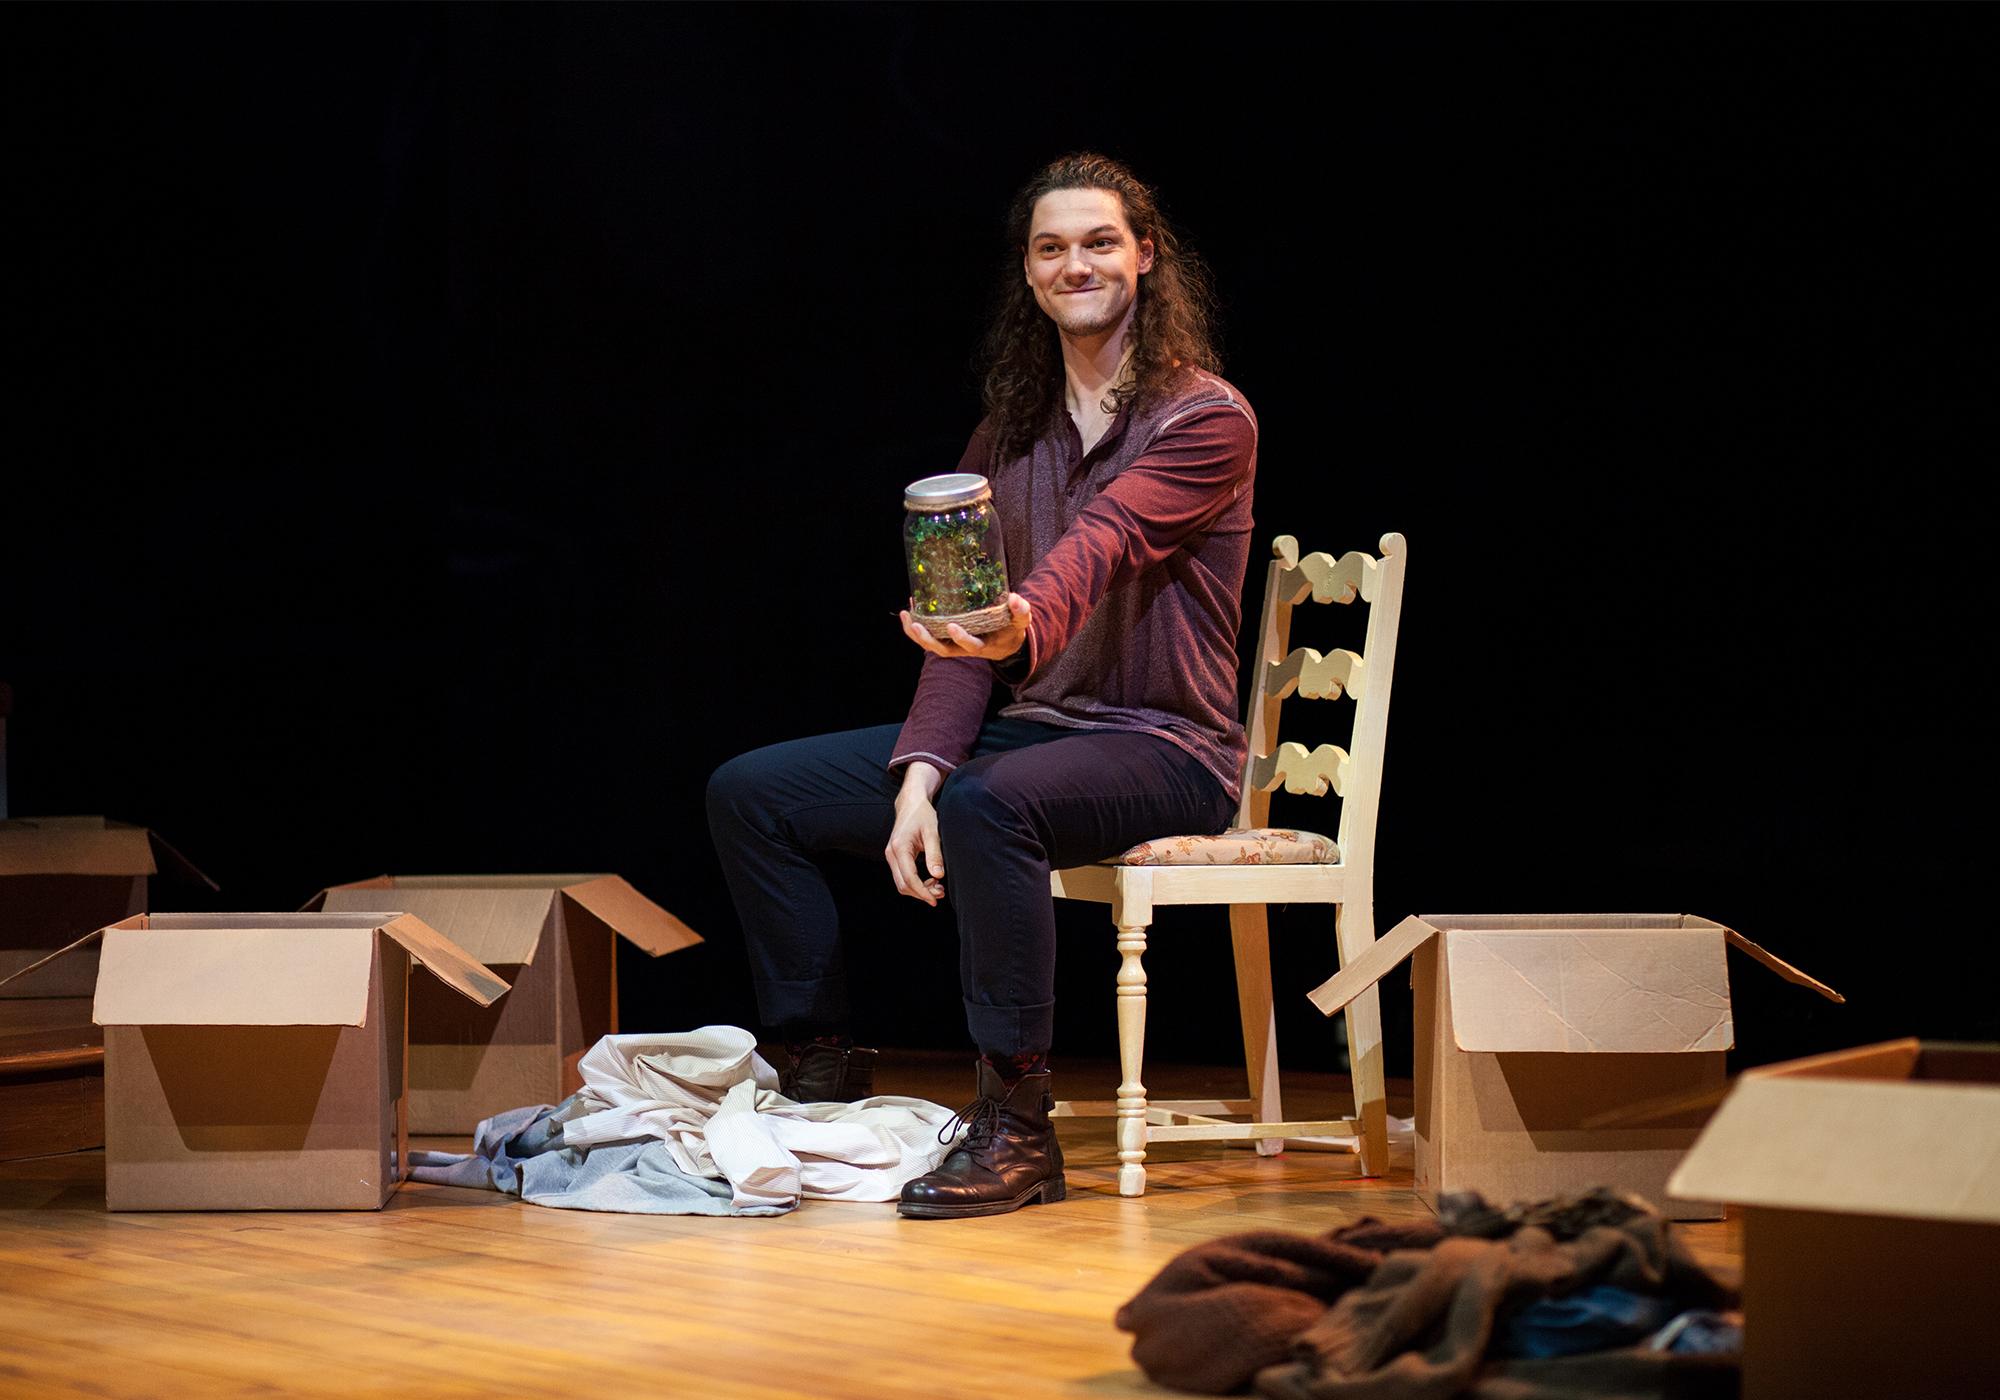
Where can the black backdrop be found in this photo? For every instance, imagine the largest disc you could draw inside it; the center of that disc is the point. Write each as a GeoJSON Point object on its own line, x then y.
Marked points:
{"type": "Point", "coordinates": [441, 435]}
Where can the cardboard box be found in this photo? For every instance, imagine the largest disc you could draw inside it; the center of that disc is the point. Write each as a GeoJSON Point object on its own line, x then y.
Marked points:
{"type": "Point", "coordinates": [51, 1078]}
{"type": "Point", "coordinates": [1556, 1052]}
{"type": "Point", "coordinates": [554, 939]}
{"type": "Point", "coordinates": [61, 877]}
{"type": "Point", "coordinates": [256, 1061]}
{"type": "Point", "coordinates": [1869, 1185]}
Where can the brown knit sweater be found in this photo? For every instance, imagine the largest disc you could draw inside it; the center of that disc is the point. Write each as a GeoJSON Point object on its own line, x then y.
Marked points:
{"type": "Point", "coordinates": [1378, 1312]}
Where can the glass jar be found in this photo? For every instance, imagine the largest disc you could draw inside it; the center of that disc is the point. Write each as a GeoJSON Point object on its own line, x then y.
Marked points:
{"type": "Point", "coordinates": [952, 547]}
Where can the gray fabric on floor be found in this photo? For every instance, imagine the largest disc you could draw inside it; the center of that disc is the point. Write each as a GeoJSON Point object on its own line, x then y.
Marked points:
{"type": "Point", "coordinates": [521, 1152]}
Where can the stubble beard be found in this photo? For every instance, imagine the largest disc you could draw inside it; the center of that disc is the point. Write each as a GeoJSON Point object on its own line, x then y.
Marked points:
{"type": "Point", "coordinates": [1080, 325]}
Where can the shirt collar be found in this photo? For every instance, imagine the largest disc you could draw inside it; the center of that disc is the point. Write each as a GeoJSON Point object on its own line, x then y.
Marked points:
{"type": "Point", "coordinates": [1113, 431]}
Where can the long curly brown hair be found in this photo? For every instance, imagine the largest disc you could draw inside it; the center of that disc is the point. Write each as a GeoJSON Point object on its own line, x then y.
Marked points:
{"type": "Point", "coordinates": [1171, 327]}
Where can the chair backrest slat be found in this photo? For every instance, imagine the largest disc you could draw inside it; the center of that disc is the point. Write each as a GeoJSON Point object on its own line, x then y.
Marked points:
{"type": "Point", "coordinates": [1317, 677]}
{"type": "Point", "coordinates": [1327, 579]}
{"type": "Point", "coordinates": [1310, 774]}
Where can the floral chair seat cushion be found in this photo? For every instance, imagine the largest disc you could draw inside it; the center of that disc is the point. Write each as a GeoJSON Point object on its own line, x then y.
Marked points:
{"type": "Point", "coordinates": [1260, 845]}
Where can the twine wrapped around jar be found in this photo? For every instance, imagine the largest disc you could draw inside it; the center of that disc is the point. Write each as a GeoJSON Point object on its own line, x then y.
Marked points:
{"type": "Point", "coordinates": [979, 624]}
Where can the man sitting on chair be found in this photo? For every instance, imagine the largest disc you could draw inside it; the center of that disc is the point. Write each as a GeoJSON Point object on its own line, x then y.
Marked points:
{"type": "Point", "coordinates": [1121, 468]}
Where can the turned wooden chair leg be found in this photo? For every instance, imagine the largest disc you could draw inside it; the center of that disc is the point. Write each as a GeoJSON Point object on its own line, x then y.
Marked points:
{"type": "Point", "coordinates": [1249, 935]}
{"type": "Point", "coordinates": [1354, 931]}
{"type": "Point", "coordinates": [1131, 1054]}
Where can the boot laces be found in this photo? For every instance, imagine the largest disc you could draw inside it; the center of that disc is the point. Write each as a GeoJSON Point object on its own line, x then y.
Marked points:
{"type": "Point", "coordinates": [979, 1119]}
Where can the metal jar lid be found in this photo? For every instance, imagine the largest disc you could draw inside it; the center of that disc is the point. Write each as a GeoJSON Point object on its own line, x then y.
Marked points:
{"type": "Point", "coordinates": [945, 492]}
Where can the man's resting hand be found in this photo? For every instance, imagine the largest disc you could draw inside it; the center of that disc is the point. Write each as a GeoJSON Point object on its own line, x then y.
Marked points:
{"type": "Point", "coordinates": [916, 833]}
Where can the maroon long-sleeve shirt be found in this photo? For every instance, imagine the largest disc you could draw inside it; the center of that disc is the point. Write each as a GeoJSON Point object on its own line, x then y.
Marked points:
{"type": "Point", "coordinates": [1132, 557]}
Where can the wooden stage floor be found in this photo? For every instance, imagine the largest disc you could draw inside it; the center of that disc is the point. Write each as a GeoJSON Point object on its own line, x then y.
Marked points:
{"type": "Point", "coordinates": [451, 1292]}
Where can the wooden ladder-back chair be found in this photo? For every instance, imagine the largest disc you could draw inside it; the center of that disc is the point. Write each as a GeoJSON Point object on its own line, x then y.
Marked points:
{"type": "Point", "coordinates": [1252, 865]}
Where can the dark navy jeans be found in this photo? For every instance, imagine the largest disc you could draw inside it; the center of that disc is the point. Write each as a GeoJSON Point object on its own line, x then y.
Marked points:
{"type": "Point", "coordinates": [1032, 798]}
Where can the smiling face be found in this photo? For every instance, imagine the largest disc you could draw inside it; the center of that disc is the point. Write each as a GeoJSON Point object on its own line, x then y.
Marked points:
{"type": "Point", "coordinates": [1083, 262]}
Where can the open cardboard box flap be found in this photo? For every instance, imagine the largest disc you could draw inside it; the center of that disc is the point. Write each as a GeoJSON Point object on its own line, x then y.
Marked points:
{"type": "Point", "coordinates": [635, 918]}
{"type": "Point", "coordinates": [1866, 1133]}
{"type": "Point", "coordinates": [74, 846]}
{"type": "Point", "coordinates": [256, 969]}
{"type": "Point", "coordinates": [449, 963]}
{"type": "Point", "coordinates": [499, 919]}
{"type": "Point", "coordinates": [88, 846]}
{"type": "Point", "coordinates": [1535, 982]}
{"type": "Point", "coordinates": [1611, 991]}
{"type": "Point", "coordinates": [234, 977]}
{"type": "Point", "coordinates": [499, 927]}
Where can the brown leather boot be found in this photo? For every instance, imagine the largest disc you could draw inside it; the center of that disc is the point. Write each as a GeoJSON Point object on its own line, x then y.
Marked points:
{"type": "Point", "coordinates": [1008, 1158]}
{"type": "Point", "coordinates": [828, 1074]}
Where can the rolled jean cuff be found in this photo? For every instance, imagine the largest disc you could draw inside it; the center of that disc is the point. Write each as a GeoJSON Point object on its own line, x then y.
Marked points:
{"type": "Point", "coordinates": [1011, 1030]}
{"type": "Point", "coordinates": [820, 1002]}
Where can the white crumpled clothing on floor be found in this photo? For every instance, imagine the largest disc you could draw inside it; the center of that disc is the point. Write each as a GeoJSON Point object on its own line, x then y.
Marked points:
{"type": "Point", "coordinates": [714, 1101]}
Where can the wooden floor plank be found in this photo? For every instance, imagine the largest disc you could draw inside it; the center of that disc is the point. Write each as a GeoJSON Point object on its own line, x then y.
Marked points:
{"type": "Point", "coordinates": [452, 1292]}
